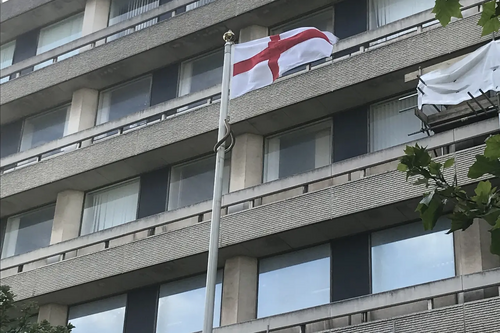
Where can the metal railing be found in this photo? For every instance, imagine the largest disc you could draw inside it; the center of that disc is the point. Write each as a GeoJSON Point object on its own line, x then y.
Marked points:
{"type": "Point", "coordinates": [354, 168]}
{"type": "Point", "coordinates": [456, 286]}
{"type": "Point", "coordinates": [98, 37]}
{"type": "Point", "coordinates": [84, 138]}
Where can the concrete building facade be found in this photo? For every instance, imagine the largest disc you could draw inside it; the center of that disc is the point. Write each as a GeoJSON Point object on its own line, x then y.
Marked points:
{"type": "Point", "coordinates": [109, 114]}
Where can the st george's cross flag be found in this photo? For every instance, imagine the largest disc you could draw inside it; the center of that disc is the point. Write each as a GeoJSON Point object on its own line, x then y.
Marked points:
{"type": "Point", "coordinates": [259, 63]}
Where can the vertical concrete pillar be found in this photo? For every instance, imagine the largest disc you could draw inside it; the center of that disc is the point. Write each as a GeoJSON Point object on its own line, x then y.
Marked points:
{"type": "Point", "coordinates": [55, 314]}
{"type": "Point", "coordinates": [246, 161]}
{"type": "Point", "coordinates": [96, 16]}
{"type": "Point", "coordinates": [253, 32]}
{"type": "Point", "coordinates": [67, 217]}
{"type": "Point", "coordinates": [472, 254]}
{"type": "Point", "coordinates": [83, 110]}
{"type": "Point", "coordinates": [239, 293]}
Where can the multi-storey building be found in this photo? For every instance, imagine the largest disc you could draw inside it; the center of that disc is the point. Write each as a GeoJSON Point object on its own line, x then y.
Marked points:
{"type": "Point", "coordinates": [109, 114]}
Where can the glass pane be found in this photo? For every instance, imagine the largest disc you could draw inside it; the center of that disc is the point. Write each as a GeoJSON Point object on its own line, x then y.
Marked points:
{"type": "Point", "coordinates": [194, 182]}
{"type": "Point", "coordinates": [59, 34]}
{"type": "Point", "coordinates": [407, 255]}
{"type": "Point", "coordinates": [298, 151]}
{"type": "Point", "coordinates": [44, 128]}
{"type": "Point", "coordinates": [28, 232]}
{"type": "Point", "coordinates": [201, 73]}
{"type": "Point", "coordinates": [391, 123]}
{"type": "Point", "coordinates": [7, 54]}
{"type": "Point", "coordinates": [322, 21]}
{"type": "Point", "coordinates": [197, 4]}
{"type": "Point", "coordinates": [110, 207]}
{"type": "Point", "coordinates": [124, 100]}
{"type": "Point", "coordinates": [181, 305]}
{"type": "Point", "coordinates": [294, 281]}
{"type": "Point", "coordinates": [106, 315]}
{"type": "Point", "coordinates": [383, 12]}
{"type": "Point", "coordinates": [122, 10]}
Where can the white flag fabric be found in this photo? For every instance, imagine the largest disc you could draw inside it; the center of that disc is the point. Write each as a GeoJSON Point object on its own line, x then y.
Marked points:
{"type": "Point", "coordinates": [480, 70]}
{"type": "Point", "coordinates": [260, 62]}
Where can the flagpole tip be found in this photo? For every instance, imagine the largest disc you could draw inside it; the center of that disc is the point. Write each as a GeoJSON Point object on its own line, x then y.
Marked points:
{"type": "Point", "coordinates": [228, 36]}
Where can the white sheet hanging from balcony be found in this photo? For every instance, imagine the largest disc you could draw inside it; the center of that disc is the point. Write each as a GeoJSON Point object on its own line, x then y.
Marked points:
{"type": "Point", "coordinates": [480, 70]}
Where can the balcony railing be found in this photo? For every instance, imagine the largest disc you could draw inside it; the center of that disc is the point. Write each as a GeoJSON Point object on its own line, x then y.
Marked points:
{"type": "Point", "coordinates": [100, 37]}
{"type": "Point", "coordinates": [153, 115]}
{"type": "Point", "coordinates": [354, 168]}
{"type": "Point", "coordinates": [455, 286]}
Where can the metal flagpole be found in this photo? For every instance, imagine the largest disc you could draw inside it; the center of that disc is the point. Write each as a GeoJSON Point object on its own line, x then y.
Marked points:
{"type": "Point", "coordinates": [213, 248]}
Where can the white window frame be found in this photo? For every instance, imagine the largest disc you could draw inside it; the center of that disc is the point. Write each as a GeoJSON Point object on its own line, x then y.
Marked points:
{"type": "Point", "coordinates": [103, 110]}
{"type": "Point", "coordinates": [272, 160]}
{"type": "Point", "coordinates": [12, 231]}
{"type": "Point", "coordinates": [24, 139]}
{"type": "Point", "coordinates": [187, 67]}
{"type": "Point", "coordinates": [3, 51]}
{"type": "Point", "coordinates": [106, 188]}
{"type": "Point", "coordinates": [279, 28]}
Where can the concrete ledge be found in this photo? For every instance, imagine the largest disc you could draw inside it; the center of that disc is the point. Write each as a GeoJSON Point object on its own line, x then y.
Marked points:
{"type": "Point", "coordinates": [289, 91]}
{"type": "Point", "coordinates": [323, 205]}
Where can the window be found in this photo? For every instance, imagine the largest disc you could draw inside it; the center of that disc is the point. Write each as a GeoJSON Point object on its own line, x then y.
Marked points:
{"type": "Point", "coordinates": [6, 56]}
{"type": "Point", "coordinates": [122, 10]}
{"type": "Point", "coordinates": [298, 151]}
{"type": "Point", "coordinates": [181, 305]}
{"type": "Point", "coordinates": [322, 21]}
{"type": "Point", "coordinates": [44, 128]}
{"type": "Point", "coordinates": [124, 100]}
{"type": "Point", "coordinates": [201, 73]}
{"type": "Point", "coordinates": [408, 255]}
{"type": "Point", "coordinates": [392, 122]}
{"type": "Point", "coordinates": [110, 207]}
{"type": "Point", "coordinates": [59, 34]}
{"type": "Point", "coordinates": [28, 232]}
{"type": "Point", "coordinates": [107, 315]}
{"type": "Point", "coordinates": [383, 12]}
{"type": "Point", "coordinates": [193, 182]}
{"type": "Point", "coordinates": [294, 281]}
{"type": "Point", "coordinates": [197, 4]}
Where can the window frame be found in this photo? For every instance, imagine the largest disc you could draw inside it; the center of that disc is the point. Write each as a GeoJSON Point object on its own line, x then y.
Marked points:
{"type": "Point", "coordinates": [182, 70]}
{"type": "Point", "coordinates": [104, 188]}
{"type": "Point", "coordinates": [42, 114]}
{"type": "Point", "coordinates": [273, 30]}
{"type": "Point", "coordinates": [118, 86]}
{"type": "Point", "coordinates": [5, 228]}
{"type": "Point", "coordinates": [291, 130]}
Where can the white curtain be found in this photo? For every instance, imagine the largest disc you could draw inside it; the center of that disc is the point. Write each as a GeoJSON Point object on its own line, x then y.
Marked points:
{"type": "Point", "coordinates": [392, 121]}
{"type": "Point", "coordinates": [6, 56]}
{"type": "Point", "coordinates": [59, 34]}
{"type": "Point", "coordinates": [383, 12]}
{"type": "Point", "coordinates": [110, 207]}
{"type": "Point", "coordinates": [197, 4]}
{"type": "Point", "coordinates": [122, 10]}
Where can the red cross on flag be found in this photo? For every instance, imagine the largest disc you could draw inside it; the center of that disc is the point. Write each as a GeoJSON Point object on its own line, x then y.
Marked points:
{"type": "Point", "coordinates": [259, 63]}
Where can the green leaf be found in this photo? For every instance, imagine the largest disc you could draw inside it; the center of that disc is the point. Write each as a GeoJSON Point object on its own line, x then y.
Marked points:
{"type": "Point", "coordinates": [422, 157]}
{"type": "Point", "coordinates": [449, 163]}
{"type": "Point", "coordinates": [483, 190]}
{"type": "Point", "coordinates": [495, 242]}
{"type": "Point", "coordinates": [421, 181]}
{"type": "Point", "coordinates": [402, 167]}
{"type": "Point", "coordinates": [460, 221]}
{"type": "Point", "coordinates": [484, 165]}
{"type": "Point", "coordinates": [446, 9]}
{"type": "Point", "coordinates": [493, 218]}
{"type": "Point", "coordinates": [430, 209]}
{"type": "Point", "coordinates": [435, 168]}
{"type": "Point", "coordinates": [489, 20]}
{"type": "Point", "coordinates": [492, 150]}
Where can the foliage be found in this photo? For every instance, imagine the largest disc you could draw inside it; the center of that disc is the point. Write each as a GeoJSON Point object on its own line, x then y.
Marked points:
{"type": "Point", "coordinates": [490, 17]}
{"type": "Point", "coordinates": [21, 322]}
{"type": "Point", "coordinates": [484, 203]}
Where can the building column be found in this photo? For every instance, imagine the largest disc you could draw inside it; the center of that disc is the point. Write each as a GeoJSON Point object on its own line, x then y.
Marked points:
{"type": "Point", "coordinates": [246, 161]}
{"type": "Point", "coordinates": [472, 255]}
{"type": "Point", "coordinates": [55, 314]}
{"type": "Point", "coordinates": [67, 216]}
{"type": "Point", "coordinates": [239, 294]}
{"type": "Point", "coordinates": [253, 32]}
{"type": "Point", "coordinates": [83, 110]}
{"type": "Point", "coordinates": [96, 16]}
